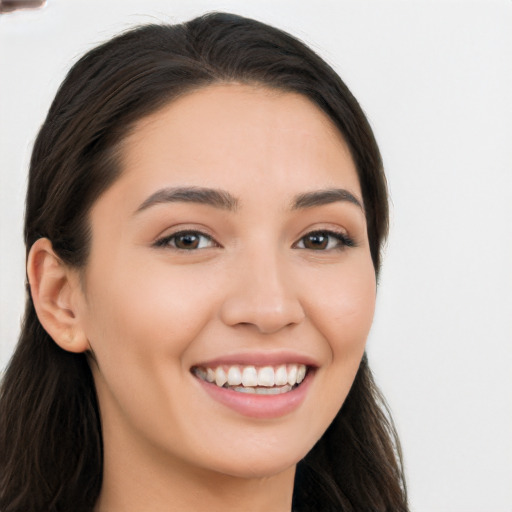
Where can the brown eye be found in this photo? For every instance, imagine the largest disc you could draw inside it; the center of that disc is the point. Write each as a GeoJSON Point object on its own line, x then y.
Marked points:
{"type": "Point", "coordinates": [316, 241]}
{"type": "Point", "coordinates": [186, 241]}
{"type": "Point", "coordinates": [324, 241]}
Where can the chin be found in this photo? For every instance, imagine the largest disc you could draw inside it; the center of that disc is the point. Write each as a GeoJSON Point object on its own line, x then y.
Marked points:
{"type": "Point", "coordinates": [261, 462]}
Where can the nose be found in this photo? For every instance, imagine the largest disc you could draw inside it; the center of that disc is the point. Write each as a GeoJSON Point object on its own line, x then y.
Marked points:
{"type": "Point", "coordinates": [263, 295]}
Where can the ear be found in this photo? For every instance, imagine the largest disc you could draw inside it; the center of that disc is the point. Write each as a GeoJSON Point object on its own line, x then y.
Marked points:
{"type": "Point", "coordinates": [56, 290]}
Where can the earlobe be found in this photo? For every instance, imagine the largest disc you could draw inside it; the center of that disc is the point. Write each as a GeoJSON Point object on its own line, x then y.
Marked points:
{"type": "Point", "coordinates": [53, 286]}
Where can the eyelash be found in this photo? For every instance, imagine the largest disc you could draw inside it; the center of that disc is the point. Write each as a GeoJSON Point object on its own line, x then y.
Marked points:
{"type": "Point", "coordinates": [342, 240]}
{"type": "Point", "coordinates": [166, 240]}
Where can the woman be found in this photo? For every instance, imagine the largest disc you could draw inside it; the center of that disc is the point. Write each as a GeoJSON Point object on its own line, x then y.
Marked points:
{"type": "Point", "coordinates": [205, 211]}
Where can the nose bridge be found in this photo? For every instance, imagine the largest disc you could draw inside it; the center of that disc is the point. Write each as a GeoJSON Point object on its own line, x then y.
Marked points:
{"type": "Point", "coordinates": [263, 294]}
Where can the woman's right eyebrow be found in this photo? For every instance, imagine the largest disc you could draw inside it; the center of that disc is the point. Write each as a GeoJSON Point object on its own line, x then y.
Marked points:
{"type": "Point", "coordinates": [202, 195]}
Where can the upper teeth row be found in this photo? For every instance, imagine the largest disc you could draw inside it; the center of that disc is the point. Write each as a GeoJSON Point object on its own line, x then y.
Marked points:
{"type": "Point", "coordinates": [250, 376]}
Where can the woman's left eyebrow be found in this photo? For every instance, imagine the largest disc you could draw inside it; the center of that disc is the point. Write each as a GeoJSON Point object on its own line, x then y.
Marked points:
{"type": "Point", "coordinates": [326, 196]}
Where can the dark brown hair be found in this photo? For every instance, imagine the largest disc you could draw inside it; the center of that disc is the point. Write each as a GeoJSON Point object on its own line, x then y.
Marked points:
{"type": "Point", "coordinates": [50, 429]}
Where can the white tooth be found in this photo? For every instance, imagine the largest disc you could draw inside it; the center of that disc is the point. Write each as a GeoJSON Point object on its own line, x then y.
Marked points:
{"type": "Point", "coordinates": [250, 376]}
{"type": "Point", "coordinates": [220, 377]}
{"type": "Point", "coordinates": [301, 373]}
{"type": "Point", "coordinates": [210, 375]}
{"type": "Point", "coordinates": [242, 389]}
{"type": "Point", "coordinates": [267, 391]}
{"type": "Point", "coordinates": [264, 391]}
{"type": "Point", "coordinates": [281, 376]}
{"type": "Point", "coordinates": [266, 376]}
{"type": "Point", "coordinates": [234, 376]}
{"type": "Point", "coordinates": [292, 374]}
{"type": "Point", "coordinates": [273, 391]}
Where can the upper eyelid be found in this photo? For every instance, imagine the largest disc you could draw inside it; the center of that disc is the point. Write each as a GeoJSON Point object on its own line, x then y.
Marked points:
{"type": "Point", "coordinates": [184, 227]}
{"type": "Point", "coordinates": [330, 230]}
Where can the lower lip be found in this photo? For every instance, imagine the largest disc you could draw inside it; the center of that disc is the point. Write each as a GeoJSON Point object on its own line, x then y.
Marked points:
{"type": "Point", "coordinates": [260, 406]}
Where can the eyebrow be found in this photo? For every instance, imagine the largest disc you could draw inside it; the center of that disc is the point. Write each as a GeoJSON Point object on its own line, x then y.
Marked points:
{"type": "Point", "coordinates": [321, 197]}
{"type": "Point", "coordinates": [209, 196]}
{"type": "Point", "coordinates": [225, 201]}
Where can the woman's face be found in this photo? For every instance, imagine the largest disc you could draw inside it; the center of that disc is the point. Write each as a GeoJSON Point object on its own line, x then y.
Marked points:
{"type": "Point", "coordinates": [233, 245]}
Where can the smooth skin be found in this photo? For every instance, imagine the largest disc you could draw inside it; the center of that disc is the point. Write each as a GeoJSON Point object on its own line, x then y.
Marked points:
{"type": "Point", "coordinates": [255, 273]}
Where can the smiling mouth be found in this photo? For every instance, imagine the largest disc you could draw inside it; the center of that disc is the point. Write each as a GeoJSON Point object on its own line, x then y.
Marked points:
{"type": "Point", "coordinates": [264, 380]}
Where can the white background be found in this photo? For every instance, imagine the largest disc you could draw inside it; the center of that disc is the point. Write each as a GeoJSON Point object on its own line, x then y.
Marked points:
{"type": "Point", "coordinates": [435, 78]}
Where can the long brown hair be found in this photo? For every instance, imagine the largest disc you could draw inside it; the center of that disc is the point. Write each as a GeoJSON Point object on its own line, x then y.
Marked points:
{"type": "Point", "coordinates": [50, 428]}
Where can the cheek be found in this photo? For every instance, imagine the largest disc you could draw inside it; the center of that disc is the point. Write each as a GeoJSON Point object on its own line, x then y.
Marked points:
{"type": "Point", "coordinates": [140, 330]}
{"type": "Point", "coordinates": [343, 314]}
{"type": "Point", "coordinates": [343, 308]}
{"type": "Point", "coordinates": [139, 316]}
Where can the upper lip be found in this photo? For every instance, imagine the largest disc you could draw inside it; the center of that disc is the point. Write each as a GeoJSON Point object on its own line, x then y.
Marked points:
{"type": "Point", "coordinates": [259, 359]}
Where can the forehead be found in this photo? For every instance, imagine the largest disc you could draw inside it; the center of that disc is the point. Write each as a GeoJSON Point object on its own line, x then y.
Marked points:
{"type": "Point", "coordinates": [239, 137]}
